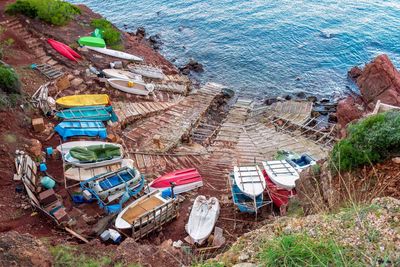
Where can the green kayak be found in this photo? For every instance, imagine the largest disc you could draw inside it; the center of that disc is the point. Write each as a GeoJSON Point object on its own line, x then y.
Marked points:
{"type": "Point", "coordinates": [97, 33]}
{"type": "Point", "coordinates": [91, 41]}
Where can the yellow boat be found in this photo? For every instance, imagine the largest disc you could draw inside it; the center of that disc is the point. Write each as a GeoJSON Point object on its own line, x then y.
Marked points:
{"type": "Point", "coordinates": [83, 100]}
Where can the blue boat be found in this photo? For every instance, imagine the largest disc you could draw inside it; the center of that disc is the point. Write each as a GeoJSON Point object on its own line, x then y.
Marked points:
{"type": "Point", "coordinates": [81, 128]}
{"type": "Point", "coordinates": [243, 202]}
{"type": "Point", "coordinates": [91, 113]}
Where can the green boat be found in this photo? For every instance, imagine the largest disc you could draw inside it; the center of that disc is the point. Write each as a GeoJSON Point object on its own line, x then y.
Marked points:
{"type": "Point", "coordinates": [97, 33]}
{"type": "Point", "coordinates": [92, 41]}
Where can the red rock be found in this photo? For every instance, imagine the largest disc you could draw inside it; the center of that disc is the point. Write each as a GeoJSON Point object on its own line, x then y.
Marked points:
{"type": "Point", "coordinates": [349, 109]}
{"type": "Point", "coordinates": [354, 73]}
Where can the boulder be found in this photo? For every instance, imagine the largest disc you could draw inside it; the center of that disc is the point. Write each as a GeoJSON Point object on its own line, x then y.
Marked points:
{"type": "Point", "coordinates": [140, 32]}
{"type": "Point", "coordinates": [354, 73]}
{"type": "Point", "coordinates": [76, 82]}
{"type": "Point", "coordinates": [349, 109]}
{"type": "Point", "coordinates": [192, 65]}
{"type": "Point", "coordinates": [35, 147]}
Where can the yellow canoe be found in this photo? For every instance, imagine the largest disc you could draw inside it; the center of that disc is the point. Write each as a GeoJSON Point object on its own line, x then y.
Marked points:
{"type": "Point", "coordinates": [83, 100]}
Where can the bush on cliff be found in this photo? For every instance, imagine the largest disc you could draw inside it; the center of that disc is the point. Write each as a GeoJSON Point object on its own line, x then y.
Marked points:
{"type": "Point", "coordinates": [55, 12]}
{"type": "Point", "coordinates": [371, 140]}
{"type": "Point", "coordinates": [9, 81]}
{"type": "Point", "coordinates": [111, 36]}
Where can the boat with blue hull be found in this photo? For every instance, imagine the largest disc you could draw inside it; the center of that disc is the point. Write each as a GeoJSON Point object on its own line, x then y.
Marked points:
{"type": "Point", "coordinates": [242, 201]}
{"type": "Point", "coordinates": [91, 113]}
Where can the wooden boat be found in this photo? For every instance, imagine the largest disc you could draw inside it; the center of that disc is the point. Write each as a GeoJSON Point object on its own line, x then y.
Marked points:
{"type": "Point", "coordinates": [183, 180]}
{"type": "Point", "coordinates": [94, 155]}
{"type": "Point", "coordinates": [82, 174]}
{"type": "Point", "coordinates": [81, 128]}
{"type": "Point", "coordinates": [147, 71]}
{"type": "Point", "coordinates": [90, 41]}
{"type": "Point", "coordinates": [83, 100]}
{"type": "Point", "coordinates": [122, 74]}
{"type": "Point", "coordinates": [64, 49]}
{"type": "Point", "coordinates": [112, 185]}
{"type": "Point", "coordinates": [131, 87]}
{"type": "Point", "coordinates": [249, 180]}
{"type": "Point", "coordinates": [65, 147]}
{"type": "Point", "coordinates": [115, 53]}
{"type": "Point", "coordinates": [281, 173]}
{"type": "Point", "coordinates": [243, 202]}
{"type": "Point", "coordinates": [91, 113]}
{"type": "Point", "coordinates": [202, 219]}
{"type": "Point", "coordinates": [129, 216]}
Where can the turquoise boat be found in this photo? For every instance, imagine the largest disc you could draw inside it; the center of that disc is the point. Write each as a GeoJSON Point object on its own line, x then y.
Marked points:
{"type": "Point", "coordinates": [92, 113]}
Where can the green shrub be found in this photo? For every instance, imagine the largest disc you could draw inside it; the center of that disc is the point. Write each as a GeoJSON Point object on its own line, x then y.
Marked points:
{"type": "Point", "coordinates": [111, 35]}
{"type": "Point", "coordinates": [301, 250]}
{"type": "Point", "coordinates": [55, 12]}
{"type": "Point", "coordinates": [9, 81]}
{"type": "Point", "coordinates": [371, 140]}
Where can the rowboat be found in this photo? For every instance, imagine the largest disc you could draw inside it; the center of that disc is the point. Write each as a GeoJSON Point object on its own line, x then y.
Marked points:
{"type": "Point", "coordinates": [129, 216]}
{"type": "Point", "coordinates": [279, 196]}
{"type": "Point", "coordinates": [147, 71]}
{"type": "Point", "coordinates": [301, 162]}
{"type": "Point", "coordinates": [112, 185]}
{"type": "Point", "coordinates": [183, 181]}
{"type": "Point", "coordinates": [82, 174]}
{"type": "Point", "coordinates": [131, 87]}
{"type": "Point", "coordinates": [122, 74]}
{"type": "Point", "coordinates": [64, 49]}
{"type": "Point", "coordinates": [65, 147]}
{"type": "Point", "coordinates": [94, 155]}
{"type": "Point", "coordinates": [115, 53]}
{"type": "Point", "coordinates": [90, 41]}
{"type": "Point", "coordinates": [281, 173]}
{"type": "Point", "coordinates": [81, 128]}
{"type": "Point", "coordinates": [243, 202]}
{"type": "Point", "coordinates": [202, 219]}
{"type": "Point", "coordinates": [90, 113]}
{"type": "Point", "coordinates": [249, 180]}
{"type": "Point", "coordinates": [83, 100]}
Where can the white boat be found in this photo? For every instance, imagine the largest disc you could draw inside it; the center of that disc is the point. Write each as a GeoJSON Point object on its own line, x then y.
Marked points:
{"type": "Point", "coordinates": [281, 173]}
{"type": "Point", "coordinates": [129, 216]}
{"type": "Point", "coordinates": [147, 71]}
{"type": "Point", "coordinates": [122, 74]}
{"type": "Point", "coordinates": [65, 147]}
{"type": "Point", "coordinates": [100, 152]}
{"type": "Point", "coordinates": [250, 180]}
{"type": "Point", "coordinates": [115, 53]}
{"type": "Point", "coordinates": [202, 219]}
{"type": "Point", "coordinates": [82, 174]}
{"type": "Point", "coordinates": [131, 87]}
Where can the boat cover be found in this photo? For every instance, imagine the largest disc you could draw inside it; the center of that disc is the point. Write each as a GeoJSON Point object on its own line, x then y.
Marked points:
{"type": "Point", "coordinates": [81, 128]}
{"type": "Point", "coordinates": [95, 152]}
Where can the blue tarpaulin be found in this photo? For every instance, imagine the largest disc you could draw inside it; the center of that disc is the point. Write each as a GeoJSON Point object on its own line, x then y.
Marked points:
{"type": "Point", "coordinates": [81, 128]}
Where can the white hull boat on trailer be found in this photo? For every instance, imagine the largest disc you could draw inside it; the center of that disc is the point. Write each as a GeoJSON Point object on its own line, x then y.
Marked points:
{"type": "Point", "coordinates": [131, 87]}
{"type": "Point", "coordinates": [115, 53]}
{"type": "Point", "coordinates": [281, 173]}
{"type": "Point", "coordinates": [147, 71]}
{"type": "Point", "coordinates": [122, 74]}
{"type": "Point", "coordinates": [202, 219]}
{"type": "Point", "coordinates": [250, 180]}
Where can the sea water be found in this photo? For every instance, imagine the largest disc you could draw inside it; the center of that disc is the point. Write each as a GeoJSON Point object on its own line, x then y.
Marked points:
{"type": "Point", "coordinates": [264, 47]}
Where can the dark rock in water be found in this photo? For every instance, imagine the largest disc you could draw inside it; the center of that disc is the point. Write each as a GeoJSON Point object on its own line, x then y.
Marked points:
{"type": "Point", "coordinates": [180, 28]}
{"type": "Point", "coordinates": [158, 13]}
{"type": "Point", "coordinates": [141, 32]}
{"type": "Point", "coordinates": [287, 97]}
{"type": "Point", "coordinates": [155, 41]}
{"type": "Point", "coordinates": [270, 101]}
{"type": "Point", "coordinates": [193, 65]}
{"type": "Point", "coordinates": [354, 73]}
{"type": "Point", "coordinates": [298, 78]}
{"type": "Point", "coordinates": [300, 95]}
{"type": "Point", "coordinates": [125, 26]}
{"type": "Point", "coordinates": [312, 98]}
{"type": "Point", "coordinates": [324, 100]}
{"type": "Point", "coordinates": [332, 118]}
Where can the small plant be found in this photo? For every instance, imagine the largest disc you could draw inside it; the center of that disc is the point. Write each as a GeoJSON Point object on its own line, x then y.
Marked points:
{"type": "Point", "coordinates": [55, 12]}
{"type": "Point", "coordinates": [111, 35]}
{"type": "Point", "coordinates": [68, 256]}
{"type": "Point", "coordinates": [9, 81]}
{"type": "Point", "coordinates": [4, 43]}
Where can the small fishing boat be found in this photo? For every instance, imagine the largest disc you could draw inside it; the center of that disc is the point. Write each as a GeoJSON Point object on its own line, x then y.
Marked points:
{"type": "Point", "coordinates": [202, 219]}
{"type": "Point", "coordinates": [300, 162]}
{"type": "Point", "coordinates": [129, 216]}
{"type": "Point", "coordinates": [81, 128]}
{"type": "Point", "coordinates": [82, 174]}
{"type": "Point", "coordinates": [115, 53]}
{"type": "Point", "coordinates": [65, 147]}
{"type": "Point", "coordinates": [243, 202]}
{"type": "Point", "coordinates": [64, 49]}
{"type": "Point", "coordinates": [94, 155]}
{"type": "Point", "coordinates": [131, 87]}
{"type": "Point", "coordinates": [183, 181]}
{"type": "Point", "coordinates": [83, 100]}
{"type": "Point", "coordinates": [279, 196]}
{"type": "Point", "coordinates": [122, 74]}
{"type": "Point", "coordinates": [90, 41]}
{"type": "Point", "coordinates": [90, 113]}
{"type": "Point", "coordinates": [249, 180]}
{"type": "Point", "coordinates": [112, 185]}
{"type": "Point", "coordinates": [147, 71]}
{"type": "Point", "coordinates": [281, 173]}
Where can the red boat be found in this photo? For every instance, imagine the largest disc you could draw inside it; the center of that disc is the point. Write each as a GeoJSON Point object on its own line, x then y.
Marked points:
{"type": "Point", "coordinates": [183, 180]}
{"type": "Point", "coordinates": [64, 49]}
{"type": "Point", "coordinates": [279, 196]}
